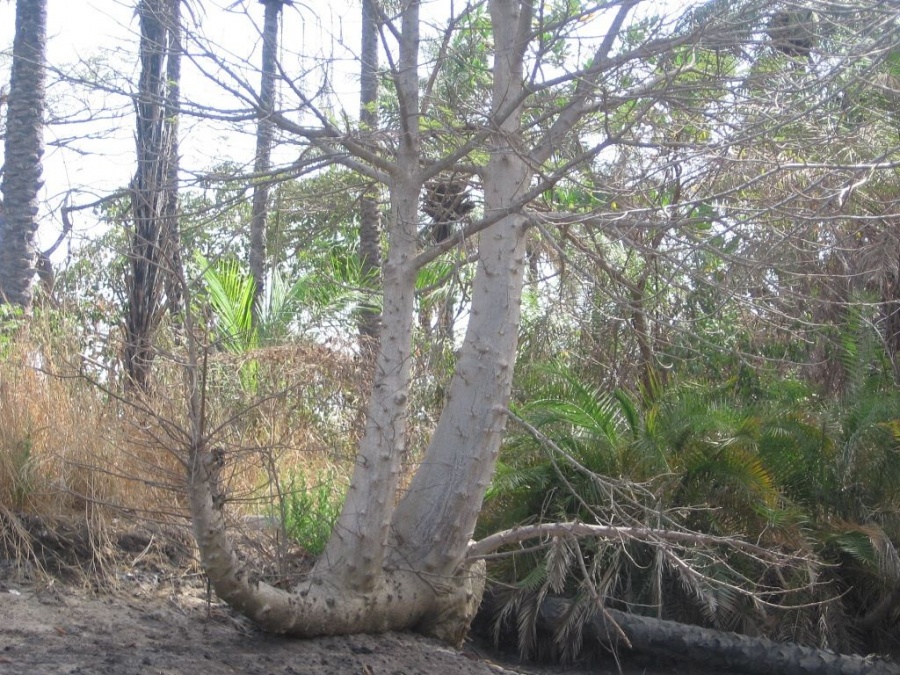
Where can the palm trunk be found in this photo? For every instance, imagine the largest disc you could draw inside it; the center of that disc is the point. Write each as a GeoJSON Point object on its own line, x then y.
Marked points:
{"type": "Point", "coordinates": [24, 146]}
{"type": "Point", "coordinates": [369, 218]}
{"type": "Point", "coordinates": [171, 227]}
{"type": "Point", "coordinates": [263, 161]}
{"type": "Point", "coordinates": [712, 649]}
{"type": "Point", "coordinates": [151, 189]}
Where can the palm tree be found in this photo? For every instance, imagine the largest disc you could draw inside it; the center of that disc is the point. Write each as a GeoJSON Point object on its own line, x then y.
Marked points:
{"type": "Point", "coordinates": [264, 137]}
{"type": "Point", "coordinates": [24, 146]}
{"type": "Point", "coordinates": [153, 255]}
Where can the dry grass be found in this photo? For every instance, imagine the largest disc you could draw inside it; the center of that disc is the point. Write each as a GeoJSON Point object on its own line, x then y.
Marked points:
{"type": "Point", "coordinates": [72, 450]}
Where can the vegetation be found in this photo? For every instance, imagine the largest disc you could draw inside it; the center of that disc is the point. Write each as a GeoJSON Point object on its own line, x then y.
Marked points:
{"type": "Point", "coordinates": [311, 508]}
{"type": "Point", "coordinates": [628, 273]}
{"type": "Point", "coordinates": [770, 463]}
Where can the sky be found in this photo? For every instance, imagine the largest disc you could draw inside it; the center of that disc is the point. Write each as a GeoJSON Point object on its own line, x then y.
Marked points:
{"type": "Point", "coordinates": [82, 31]}
{"type": "Point", "coordinates": [87, 160]}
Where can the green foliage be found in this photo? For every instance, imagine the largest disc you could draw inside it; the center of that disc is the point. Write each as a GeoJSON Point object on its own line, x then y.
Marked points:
{"type": "Point", "coordinates": [11, 319]}
{"type": "Point", "coordinates": [311, 506]}
{"type": "Point", "coordinates": [231, 292]}
{"type": "Point", "coordinates": [772, 463]}
{"type": "Point", "coordinates": [287, 308]}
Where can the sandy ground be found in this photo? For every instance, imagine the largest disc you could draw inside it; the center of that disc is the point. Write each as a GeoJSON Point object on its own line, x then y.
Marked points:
{"type": "Point", "coordinates": [157, 619]}
{"type": "Point", "coordinates": [54, 630]}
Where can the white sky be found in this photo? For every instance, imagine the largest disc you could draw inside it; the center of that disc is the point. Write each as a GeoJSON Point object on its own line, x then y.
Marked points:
{"type": "Point", "coordinates": [323, 31]}
{"type": "Point", "coordinates": [82, 30]}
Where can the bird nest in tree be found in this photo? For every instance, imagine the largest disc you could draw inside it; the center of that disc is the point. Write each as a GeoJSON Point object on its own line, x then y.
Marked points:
{"type": "Point", "coordinates": [793, 32]}
{"type": "Point", "coordinates": [447, 200]}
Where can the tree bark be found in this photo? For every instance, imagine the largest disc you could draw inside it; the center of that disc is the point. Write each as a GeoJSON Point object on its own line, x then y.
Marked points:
{"type": "Point", "coordinates": [357, 548]}
{"type": "Point", "coordinates": [24, 146]}
{"type": "Point", "coordinates": [171, 226]}
{"type": "Point", "coordinates": [151, 192]}
{"type": "Point", "coordinates": [436, 518]}
{"type": "Point", "coordinates": [710, 648]}
{"type": "Point", "coordinates": [263, 160]}
{"type": "Point", "coordinates": [369, 319]}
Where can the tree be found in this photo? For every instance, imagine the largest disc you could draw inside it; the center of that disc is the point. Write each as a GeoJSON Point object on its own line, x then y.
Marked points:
{"type": "Point", "coordinates": [154, 250]}
{"type": "Point", "coordinates": [24, 146]}
{"type": "Point", "coordinates": [390, 564]}
{"type": "Point", "coordinates": [262, 162]}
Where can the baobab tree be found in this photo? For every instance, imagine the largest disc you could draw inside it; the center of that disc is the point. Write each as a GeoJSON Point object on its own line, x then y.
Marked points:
{"type": "Point", "coordinates": [403, 558]}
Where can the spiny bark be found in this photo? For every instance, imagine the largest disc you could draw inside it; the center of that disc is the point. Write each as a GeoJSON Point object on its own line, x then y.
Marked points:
{"type": "Point", "coordinates": [357, 548]}
{"type": "Point", "coordinates": [324, 605]}
{"type": "Point", "coordinates": [436, 518]}
{"type": "Point", "coordinates": [354, 587]}
{"type": "Point", "coordinates": [24, 146]}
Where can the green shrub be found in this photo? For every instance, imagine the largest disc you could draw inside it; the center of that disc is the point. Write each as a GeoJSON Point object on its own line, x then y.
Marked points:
{"type": "Point", "coordinates": [311, 506]}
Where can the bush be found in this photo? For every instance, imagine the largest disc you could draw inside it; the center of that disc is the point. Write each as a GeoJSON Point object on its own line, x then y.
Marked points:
{"type": "Point", "coordinates": [310, 508]}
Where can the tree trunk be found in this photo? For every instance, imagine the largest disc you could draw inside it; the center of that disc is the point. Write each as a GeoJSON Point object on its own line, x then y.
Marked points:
{"type": "Point", "coordinates": [150, 193]}
{"type": "Point", "coordinates": [361, 535]}
{"type": "Point", "coordinates": [709, 648]}
{"type": "Point", "coordinates": [369, 318]}
{"type": "Point", "coordinates": [263, 162]}
{"type": "Point", "coordinates": [436, 518]}
{"type": "Point", "coordinates": [24, 146]}
{"type": "Point", "coordinates": [171, 226]}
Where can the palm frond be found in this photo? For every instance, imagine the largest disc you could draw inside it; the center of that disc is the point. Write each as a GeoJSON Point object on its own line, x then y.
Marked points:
{"type": "Point", "coordinates": [231, 293]}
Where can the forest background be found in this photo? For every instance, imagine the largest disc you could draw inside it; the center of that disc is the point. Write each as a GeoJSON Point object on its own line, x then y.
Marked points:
{"type": "Point", "coordinates": [681, 224]}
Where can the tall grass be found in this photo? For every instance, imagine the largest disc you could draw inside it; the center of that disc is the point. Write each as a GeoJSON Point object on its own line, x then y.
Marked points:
{"type": "Point", "coordinates": [73, 449]}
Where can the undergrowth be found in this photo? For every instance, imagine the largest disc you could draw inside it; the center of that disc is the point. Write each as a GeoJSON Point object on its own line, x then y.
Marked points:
{"type": "Point", "coordinates": [74, 447]}
{"type": "Point", "coordinates": [311, 505]}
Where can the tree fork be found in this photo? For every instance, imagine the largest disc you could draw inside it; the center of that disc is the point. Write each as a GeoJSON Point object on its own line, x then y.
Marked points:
{"type": "Point", "coordinates": [322, 604]}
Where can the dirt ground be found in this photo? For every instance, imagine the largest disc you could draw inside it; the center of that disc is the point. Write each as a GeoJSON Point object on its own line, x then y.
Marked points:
{"type": "Point", "coordinates": [156, 618]}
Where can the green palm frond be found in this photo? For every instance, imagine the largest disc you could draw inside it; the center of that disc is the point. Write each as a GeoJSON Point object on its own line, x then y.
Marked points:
{"type": "Point", "coordinates": [868, 545]}
{"type": "Point", "coordinates": [231, 292]}
{"type": "Point", "coordinates": [856, 544]}
{"type": "Point", "coordinates": [510, 479]}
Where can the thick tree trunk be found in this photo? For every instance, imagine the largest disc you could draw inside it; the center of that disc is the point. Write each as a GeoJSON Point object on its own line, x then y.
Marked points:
{"type": "Point", "coordinates": [357, 548]}
{"type": "Point", "coordinates": [710, 648]}
{"type": "Point", "coordinates": [24, 145]}
{"type": "Point", "coordinates": [324, 604]}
